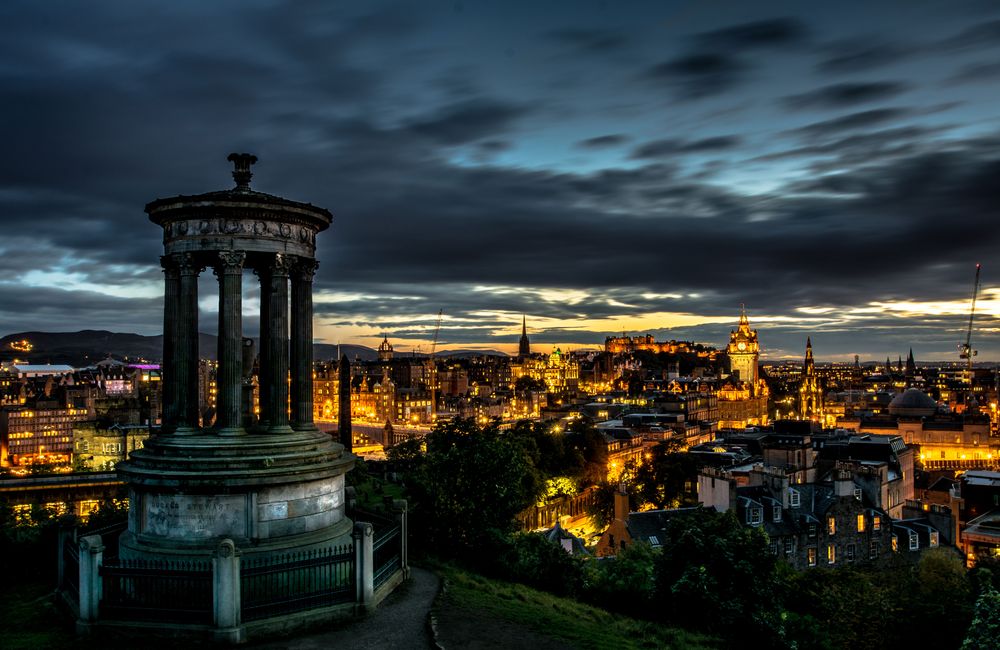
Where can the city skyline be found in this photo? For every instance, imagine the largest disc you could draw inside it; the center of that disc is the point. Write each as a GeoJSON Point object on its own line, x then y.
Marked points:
{"type": "Point", "coordinates": [597, 170]}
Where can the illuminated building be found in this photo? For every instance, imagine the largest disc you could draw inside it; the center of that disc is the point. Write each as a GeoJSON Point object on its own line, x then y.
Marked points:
{"type": "Point", "coordinates": [744, 351]}
{"type": "Point", "coordinates": [99, 449]}
{"type": "Point", "coordinates": [41, 434]}
{"type": "Point", "coordinates": [559, 371]}
{"type": "Point", "coordinates": [326, 388]}
{"type": "Point", "coordinates": [743, 397]}
{"type": "Point", "coordinates": [810, 392]}
{"type": "Point", "coordinates": [944, 440]}
{"type": "Point", "coordinates": [625, 344]}
{"type": "Point", "coordinates": [385, 350]}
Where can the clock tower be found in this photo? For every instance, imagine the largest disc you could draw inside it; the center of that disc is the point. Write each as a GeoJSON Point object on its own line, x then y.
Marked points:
{"type": "Point", "coordinates": [744, 351]}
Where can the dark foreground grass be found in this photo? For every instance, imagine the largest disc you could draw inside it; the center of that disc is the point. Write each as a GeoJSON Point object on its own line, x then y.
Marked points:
{"type": "Point", "coordinates": [33, 620]}
{"type": "Point", "coordinates": [579, 625]}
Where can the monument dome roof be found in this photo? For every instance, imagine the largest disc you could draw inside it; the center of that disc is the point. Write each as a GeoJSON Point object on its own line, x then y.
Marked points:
{"type": "Point", "coordinates": [912, 401]}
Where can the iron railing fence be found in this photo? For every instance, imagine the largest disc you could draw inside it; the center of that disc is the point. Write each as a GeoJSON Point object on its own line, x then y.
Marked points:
{"type": "Point", "coordinates": [140, 590]}
{"type": "Point", "coordinates": [296, 582]}
{"type": "Point", "coordinates": [387, 552]}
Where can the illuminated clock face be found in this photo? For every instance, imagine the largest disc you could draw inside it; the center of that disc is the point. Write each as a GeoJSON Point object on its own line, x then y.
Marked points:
{"type": "Point", "coordinates": [741, 346]}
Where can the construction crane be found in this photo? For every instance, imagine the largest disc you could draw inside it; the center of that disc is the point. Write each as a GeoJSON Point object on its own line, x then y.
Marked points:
{"type": "Point", "coordinates": [433, 377]}
{"type": "Point", "coordinates": [966, 348]}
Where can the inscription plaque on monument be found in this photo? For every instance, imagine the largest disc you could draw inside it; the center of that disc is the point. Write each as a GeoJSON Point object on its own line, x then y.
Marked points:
{"type": "Point", "coordinates": [192, 516]}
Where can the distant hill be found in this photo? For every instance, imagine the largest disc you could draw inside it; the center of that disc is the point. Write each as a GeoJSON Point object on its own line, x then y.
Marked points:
{"type": "Point", "coordinates": [87, 347]}
{"type": "Point", "coordinates": [472, 353]}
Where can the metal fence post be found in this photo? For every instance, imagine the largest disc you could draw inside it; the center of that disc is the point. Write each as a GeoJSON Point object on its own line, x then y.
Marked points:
{"type": "Point", "coordinates": [364, 569]}
{"type": "Point", "coordinates": [91, 558]}
{"type": "Point", "coordinates": [401, 515]}
{"type": "Point", "coordinates": [226, 593]}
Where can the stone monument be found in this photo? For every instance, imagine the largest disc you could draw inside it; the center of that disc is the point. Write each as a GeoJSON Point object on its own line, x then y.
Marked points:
{"type": "Point", "coordinates": [273, 484]}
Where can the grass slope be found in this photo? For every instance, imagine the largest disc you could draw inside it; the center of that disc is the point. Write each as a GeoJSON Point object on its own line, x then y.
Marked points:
{"type": "Point", "coordinates": [477, 599]}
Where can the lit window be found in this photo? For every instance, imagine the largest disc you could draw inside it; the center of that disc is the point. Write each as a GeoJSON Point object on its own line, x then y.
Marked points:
{"type": "Point", "coordinates": [831, 526]}
{"type": "Point", "coordinates": [861, 523]}
{"type": "Point", "coordinates": [812, 556]}
{"type": "Point", "coordinates": [895, 543]}
{"type": "Point", "coordinates": [876, 522]}
{"type": "Point", "coordinates": [934, 539]}
{"type": "Point", "coordinates": [831, 554]}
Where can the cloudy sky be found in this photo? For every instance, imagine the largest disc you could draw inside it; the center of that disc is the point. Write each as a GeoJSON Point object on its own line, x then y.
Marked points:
{"type": "Point", "coordinates": [599, 166]}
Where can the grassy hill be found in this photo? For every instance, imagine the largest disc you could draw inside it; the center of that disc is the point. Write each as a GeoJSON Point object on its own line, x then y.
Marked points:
{"type": "Point", "coordinates": [477, 612]}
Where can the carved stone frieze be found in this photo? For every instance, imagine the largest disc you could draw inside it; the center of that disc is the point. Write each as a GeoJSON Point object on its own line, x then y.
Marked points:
{"type": "Point", "coordinates": [239, 228]}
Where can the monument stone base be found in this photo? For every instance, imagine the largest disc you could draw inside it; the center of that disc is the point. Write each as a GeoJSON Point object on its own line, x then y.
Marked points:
{"type": "Point", "coordinates": [271, 494]}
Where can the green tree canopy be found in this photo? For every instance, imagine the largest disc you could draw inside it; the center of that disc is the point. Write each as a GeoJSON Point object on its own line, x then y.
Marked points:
{"type": "Point", "coordinates": [472, 483]}
{"type": "Point", "coordinates": [715, 575]}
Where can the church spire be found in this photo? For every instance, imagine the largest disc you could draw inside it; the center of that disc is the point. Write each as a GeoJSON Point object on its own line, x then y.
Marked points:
{"type": "Point", "coordinates": [808, 366]}
{"type": "Point", "coordinates": [524, 346]}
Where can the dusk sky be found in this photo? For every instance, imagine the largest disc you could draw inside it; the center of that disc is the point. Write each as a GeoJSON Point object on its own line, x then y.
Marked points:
{"type": "Point", "coordinates": [598, 166]}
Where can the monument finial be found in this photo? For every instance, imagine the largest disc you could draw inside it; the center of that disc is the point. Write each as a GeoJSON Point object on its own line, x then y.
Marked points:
{"type": "Point", "coordinates": [242, 173]}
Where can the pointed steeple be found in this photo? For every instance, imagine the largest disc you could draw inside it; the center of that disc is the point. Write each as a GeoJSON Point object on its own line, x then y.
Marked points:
{"type": "Point", "coordinates": [809, 366]}
{"type": "Point", "coordinates": [524, 346]}
{"type": "Point", "coordinates": [911, 365]}
{"type": "Point", "coordinates": [385, 349]}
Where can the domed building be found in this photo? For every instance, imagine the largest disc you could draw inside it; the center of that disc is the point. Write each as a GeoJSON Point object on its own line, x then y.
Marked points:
{"type": "Point", "coordinates": [912, 402]}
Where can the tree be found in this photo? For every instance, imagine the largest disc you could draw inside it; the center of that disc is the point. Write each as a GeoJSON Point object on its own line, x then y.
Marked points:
{"type": "Point", "coordinates": [472, 483]}
{"type": "Point", "coordinates": [716, 575]}
{"type": "Point", "coordinates": [525, 384]}
{"type": "Point", "coordinates": [587, 446]}
{"type": "Point", "coordinates": [624, 583]}
{"type": "Point", "coordinates": [531, 559]}
{"type": "Point", "coordinates": [667, 478]}
{"type": "Point", "coordinates": [984, 631]}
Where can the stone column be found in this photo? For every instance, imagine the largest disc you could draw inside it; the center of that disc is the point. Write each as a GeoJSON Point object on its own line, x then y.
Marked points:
{"type": "Point", "coordinates": [226, 593]}
{"type": "Point", "coordinates": [344, 401]}
{"type": "Point", "coordinates": [399, 513]}
{"type": "Point", "coordinates": [264, 364]}
{"type": "Point", "coordinates": [91, 557]}
{"type": "Point", "coordinates": [277, 377]}
{"type": "Point", "coordinates": [364, 571]}
{"type": "Point", "coordinates": [302, 345]}
{"type": "Point", "coordinates": [229, 378]}
{"type": "Point", "coordinates": [168, 375]}
{"type": "Point", "coordinates": [186, 346]}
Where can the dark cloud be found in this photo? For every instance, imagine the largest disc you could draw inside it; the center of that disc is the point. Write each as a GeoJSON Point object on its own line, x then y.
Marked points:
{"type": "Point", "coordinates": [778, 32]}
{"type": "Point", "coordinates": [976, 73]}
{"type": "Point", "coordinates": [845, 94]}
{"type": "Point", "coordinates": [670, 147]}
{"type": "Point", "coordinates": [860, 149]}
{"type": "Point", "coordinates": [445, 191]}
{"type": "Point", "coordinates": [467, 121]}
{"type": "Point", "coordinates": [851, 122]}
{"type": "Point", "coordinates": [598, 41]}
{"type": "Point", "coordinates": [694, 76]}
{"type": "Point", "coordinates": [862, 55]}
{"type": "Point", "coordinates": [984, 34]}
{"type": "Point", "coordinates": [604, 141]}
